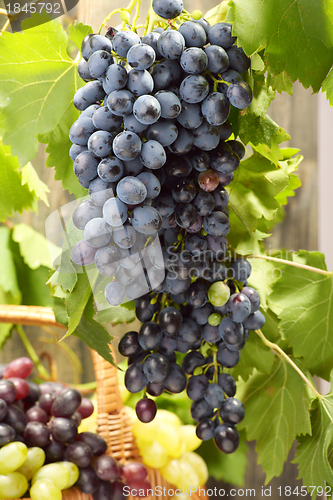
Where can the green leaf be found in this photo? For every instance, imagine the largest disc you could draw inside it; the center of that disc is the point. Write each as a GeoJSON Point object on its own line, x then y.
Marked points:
{"type": "Point", "coordinates": [59, 308]}
{"type": "Point", "coordinates": [94, 334]}
{"type": "Point", "coordinates": [78, 32]}
{"type": "Point", "coordinates": [328, 87]}
{"type": "Point", "coordinates": [77, 301]}
{"type": "Point", "coordinates": [280, 82]}
{"type": "Point", "coordinates": [35, 185]}
{"type": "Point", "coordinates": [312, 455]}
{"type": "Point", "coordinates": [262, 277]}
{"type": "Point", "coordinates": [37, 80]}
{"type": "Point", "coordinates": [13, 196]}
{"type": "Point", "coordinates": [67, 277]}
{"type": "Point", "coordinates": [254, 355]}
{"type": "Point", "coordinates": [303, 302]}
{"type": "Point", "coordinates": [5, 328]}
{"type": "Point", "coordinates": [115, 315]}
{"type": "Point", "coordinates": [34, 247]}
{"type": "Point", "coordinates": [217, 14]}
{"type": "Point", "coordinates": [257, 64]}
{"type": "Point", "coordinates": [229, 468]}
{"type": "Point", "coordinates": [276, 411]}
{"type": "Point", "coordinates": [252, 196]}
{"type": "Point", "coordinates": [33, 287]}
{"type": "Point", "coordinates": [263, 95]}
{"type": "Point", "coordinates": [8, 277]}
{"type": "Point", "coordinates": [297, 35]}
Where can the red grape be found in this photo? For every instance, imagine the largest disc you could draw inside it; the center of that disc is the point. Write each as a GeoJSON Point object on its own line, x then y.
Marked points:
{"type": "Point", "coordinates": [46, 401]}
{"type": "Point", "coordinates": [21, 386]}
{"type": "Point", "coordinates": [146, 410]}
{"type": "Point", "coordinates": [86, 408]}
{"type": "Point", "coordinates": [107, 468]}
{"type": "Point", "coordinates": [37, 414]}
{"type": "Point", "coordinates": [134, 471]}
{"type": "Point", "coordinates": [7, 391]}
{"type": "Point", "coordinates": [208, 180]}
{"type": "Point", "coordinates": [140, 487]}
{"type": "Point", "coordinates": [20, 367]}
{"type": "Point", "coordinates": [66, 404]}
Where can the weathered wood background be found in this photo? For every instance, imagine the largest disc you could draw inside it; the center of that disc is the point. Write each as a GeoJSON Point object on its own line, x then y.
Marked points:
{"type": "Point", "coordinates": [298, 116]}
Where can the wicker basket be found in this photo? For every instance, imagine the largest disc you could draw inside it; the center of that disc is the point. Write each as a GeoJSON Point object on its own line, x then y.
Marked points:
{"type": "Point", "coordinates": [114, 425]}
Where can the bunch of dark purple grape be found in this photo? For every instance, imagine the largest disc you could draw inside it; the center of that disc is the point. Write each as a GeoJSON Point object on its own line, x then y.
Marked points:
{"type": "Point", "coordinates": [153, 146]}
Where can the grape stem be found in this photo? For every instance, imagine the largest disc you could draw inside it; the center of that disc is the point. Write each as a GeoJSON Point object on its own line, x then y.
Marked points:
{"type": "Point", "coordinates": [43, 373]}
{"type": "Point", "coordinates": [128, 9]}
{"type": "Point", "coordinates": [293, 264]}
{"type": "Point", "coordinates": [280, 352]}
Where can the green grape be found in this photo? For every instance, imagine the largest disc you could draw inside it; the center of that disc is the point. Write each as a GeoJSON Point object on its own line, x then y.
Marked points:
{"type": "Point", "coordinates": [188, 475]}
{"type": "Point", "coordinates": [34, 461]}
{"type": "Point", "coordinates": [196, 14]}
{"type": "Point", "coordinates": [168, 436]}
{"type": "Point", "coordinates": [198, 464]}
{"type": "Point", "coordinates": [56, 472]}
{"type": "Point", "coordinates": [45, 489]}
{"type": "Point", "coordinates": [218, 294]}
{"type": "Point", "coordinates": [153, 454]}
{"type": "Point", "coordinates": [189, 437]}
{"type": "Point", "coordinates": [73, 472]}
{"type": "Point", "coordinates": [214, 319]}
{"type": "Point", "coordinates": [145, 432]}
{"type": "Point", "coordinates": [13, 485]}
{"type": "Point", "coordinates": [12, 456]}
{"type": "Point", "coordinates": [171, 471]}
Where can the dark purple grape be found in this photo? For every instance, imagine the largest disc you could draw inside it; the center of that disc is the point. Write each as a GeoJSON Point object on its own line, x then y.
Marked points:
{"type": "Point", "coordinates": [155, 390]}
{"type": "Point", "coordinates": [190, 333]}
{"type": "Point", "coordinates": [3, 409]}
{"type": "Point", "coordinates": [7, 390]}
{"type": "Point", "coordinates": [205, 429]}
{"type": "Point", "coordinates": [37, 414]}
{"type": "Point", "coordinates": [54, 452]}
{"type": "Point", "coordinates": [170, 320]}
{"type": "Point", "coordinates": [228, 384]}
{"type": "Point", "coordinates": [88, 482]}
{"type": "Point", "coordinates": [105, 491]}
{"type": "Point", "coordinates": [16, 418]}
{"type": "Point", "coordinates": [156, 368]}
{"type": "Point", "coordinates": [66, 404]}
{"type": "Point", "coordinates": [255, 321]}
{"type": "Point", "coordinates": [129, 344]}
{"type": "Point", "coordinates": [107, 468]}
{"type": "Point", "coordinates": [150, 335]}
{"type": "Point", "coordinates": [226, 438]}
{"type": "Point", "coordinates": [46, 400]}
{"type": "Point", "coordinates": [191, 361]}
{"type": "Point", "coordinates": [253, 297]}
{"type": "Point", "coordinates": [79, 453]}
{"type": "Point", "coordinates": [63, 429]}
{"type": "Point", "coordinates": [86, 408]}
{"type": "Point", "coordinates": [176, 380]}
{"type": "Point", "coordinates": [94, 441]}
{"type": "Point", "coordinates": [36, 434]}
{"type": "Point", "coordinates": [146, 410]}
{"type": "Point", "coordinates": [200, 409]}
{"type": "Point", "coordinates": [7, 434]}
{"type": "Point", "coordinates": [232, 411]}
{"type": "Point", "coordinates": [135, 378]}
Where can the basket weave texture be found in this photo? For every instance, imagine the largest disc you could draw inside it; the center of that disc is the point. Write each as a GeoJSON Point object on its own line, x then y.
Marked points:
{"type": "Point", "coordinates": [114, 425]}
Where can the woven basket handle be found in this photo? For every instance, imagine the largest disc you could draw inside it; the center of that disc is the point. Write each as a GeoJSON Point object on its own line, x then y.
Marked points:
{"type": "Point", "coordinates": [108, 394]}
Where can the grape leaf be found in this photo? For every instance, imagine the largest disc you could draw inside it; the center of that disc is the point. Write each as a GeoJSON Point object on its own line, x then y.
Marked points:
{"type": "Point", "coordinates": [298, 37]}
{"type": "Point", "coordinates": [257, 64]}
{"type": "Point", "coordinates": [276, 411]}
{"type": "Point", "coordinates": [312, 455]}
{"type": "Point", "coordinates": [115, 315]}
{"type": "Point", "coordinates": [263, 95]}
{"type": "Point", "coordinates": [13, 196]}
{"type": "Point", "coordinates": [252, 196]}
{"type": "Point", "coordinates": [230, 468]}
{"type": "Point", "coordinates": [77, 32]}
{"type": "Point", "coordinates": [34, 247]}
{"type": "Point", "coordinates": [217, 14]}
{"type": "Point", "coordinates": [37, 80]}
{"type": "Point", "coordinates": [5, 328]}
{"type": "Point", "coordinates": [31, 179]}
{"type": "Point", "coordinates": [280, 82]}
{"type": "Point", "coordinates": [94, 334]}
{"type": "Point", "coordinates": [254, 355]}
{"type": "Point", "coordinates": [303, 301]}
{"type": "Point", "coordinates": [8, 276]}
{"type": "Point", "coordinates": [328, 87]}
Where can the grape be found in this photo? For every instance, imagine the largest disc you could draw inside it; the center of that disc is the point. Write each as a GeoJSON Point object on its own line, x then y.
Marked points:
{"type": "Point", "coordinates": [168, 9]}
{"type": "Point", "coordinates": [240, 269]}
{"type": "Point", "coordinates": [144, 310]}
{"type": "Point", "coordinates": [115, 293]}
{"type": "Point", "coordinates": [141, 56]}
{"type": "Point", "coordinates": [91, 93]}
{"type": "Point", "coordinates": [140, 82]}
{"type": "Point", "coordinates": [168, 345]}
{"type": "Point", "coordinates": [127, 146]}
{"type": "Point", "coordinates": [205, 429]}
{"type": "Point", "coordinates": [81, 130]}
{"type": "Point", "coordinates": [134, 471]}
{"type": "Point", "coordinates": [85, 166]}
{"type": "Point", "coordinates": [194, 61]}
{"type": "Point", "coordinates": [75, 150]}
{"type": "Point", "coordinates": [129, 344]}
{"type": "Point", "coordinates": [120, 102]}
{"type": "Point", "coordinates": [201, 315]}
{"type": "Point", "coordinates": [100, 143]}
{"type": "Point", "coordinates": [226, 438]}
{"type": "Point", "coordinates": [226, 357]}
{"type": "Point", "coordinates": [210, 333]}
{"type": "Point", "coordinates": [3, 410]}
{"type": "Point", "coordinates": [110, 169]}
{"type": "Point", "coordinates": [186, 215]}
{"type": "Point", "coordinates": [153, 155]}
{"type": "Point", "coordinates": [147, 109]}
{"type": "Point", "coordinates": [21, 386]}
{"type": "Point", "coordinates": [232, 411]}
{"type": "Point", "coordinates": [37, 414]}
{"type": "Point", "coordinates": [146, 410]}
{"type": "Point", "coordinates": [218, 293]}
{"type": "Point", "coordinates": [34, 461]}
{"type": "Point", "coordinates": [106, 468]}
{"type": "Point", "coordinates": [63, 429]}
{"type": "Point", "coordinates": [165, 132]}
{"type": "Point", "coordinates": [12, 456]}
{"type": "Point", "coordinates": [105, 491]}
{"type": "Point", "coordinates": [215, 108]}
{"type": "Point", "coordinates": [176, 380]}
{"type": "Point", "coordinates": [124, 237]}
{"type": "Point", "coordinates": [225, 179]}
{"type": "Point", "coordinates": [150, 335]}
{"type": "Point", "coordinates": [237, 148]}
{"type": "Point", "coordinates": [224, 161]}
{"type": "Point", "coordinates": [156, 368]}
{"type": "Point", "coordinates": [239, 307]}
{"type": "Point", "coordinates": [123, 41]}
{"type": "Point", "coordinates": [133, 125]}
{"type": "Point", "coordinates": [146, 220]}
{"type": "Point", "coordinates": [197, 294]}
{"type": "Point", "coordinates": [88, 482]}
{"type": "Point", "coordinates": [155, 389]}
{"type": "Point", "coordinates": [216, 224]}
{"type": "Point", "coordinates": [220, 34]}
{"type": "Point", "coordinates": [84, 212]}
{"type": "Point", "coordinates": [208, 181]}
{"type": "Point", "coordinates": [218, 60]}
{"type": "Point", "coordinates": [170, 104]}
{"type": "Point", "coordinates": [200, 409]}
{"type": "Point", "coordinates": [194, 89]}
{"type": "Point", "coordinates": [99, 42]}
{"type": "Point", "coordinates": [118, 493]}
{"type": "Point", "coordinates": [135, 378]}
{"type": "Point", "coordinates": [131, 190]}
{"type": "Point", "coordinates": [183, 143]}
{"type": "Point", "coordinates": [190, 116]}
{"type": "Point", "coordinates": [204, 204]}
{"type": "Point", "coordinates": [94, 441]}
{"type": "Point", "coordinates": [193, 33]}
{"type": "Point", "coordinates": [184, 191]}
{"type": "Point", "coordinates": [170, 320]}
{"type": "Point", "coordinates": [171, 44]}
{"type": "Point", "coordinates": [152, 184]}
{"type": "Point", "coordinates": [103, 119]}
{"type": "Point", "coordinates": [253, 297]}
{"type": "Point", "coordinates": [115, 78]}
{"type": "Point", "coordinates": [66, 404]}
{"type": "Point", "coordinates": [151, 40]}
{"type": "Point", "coordinates": [162, 76]}
{"type": "Point", "coordinates": [86, 408]}
{"type": "Point", "coordinates": [14, 485]}
{"type": "Point", "coordinates": [238, 60]}
{"type": "Point", "coordinates": [86, 50]}
{"type": "Point", "coordinates": [201, 160]}
{"type": "Point", "coordinates": [193, 359]}
{"type": "Point", "coordinates": [57, 473]}
{"type": "Point", "coordinates": [206, 137]}
{"type": "Point", "coordinates": [36, 434]}
{"type": "Point", "coordinates": [97, 232]}
{"type": "Point", "coordinates": [7, 434]}
{"type": "Point", "coordinates": [240, 95]}
{"type": "Point", "coordinates": [100, 191]}
{"type": "Point", "coordinates": [82, 254]}
{"type": "Point", "coordinates": [255, 321]}
{"type": "Point", "coordinates": [98, 63]}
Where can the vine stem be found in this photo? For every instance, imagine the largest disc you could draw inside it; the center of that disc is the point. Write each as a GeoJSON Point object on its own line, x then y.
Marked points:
{"type": "Point", "coordinates": [293, 264]}
{"type": "Point", "coordinates": [129, 9]}
{"type": "Point", "coordinates": [282, 354]}
{"type": "Point", "coordinates": [32, 353]}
